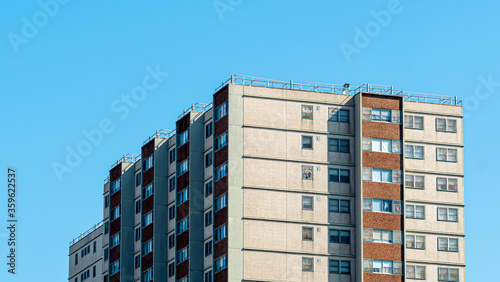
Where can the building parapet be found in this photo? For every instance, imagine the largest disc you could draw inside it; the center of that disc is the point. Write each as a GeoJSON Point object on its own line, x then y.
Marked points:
{"type": "Point", "coordinates": [85, 234]}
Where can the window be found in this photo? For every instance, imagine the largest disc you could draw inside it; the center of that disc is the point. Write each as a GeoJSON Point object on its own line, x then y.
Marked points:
{"type": "Point", "coordinates": [338, 145]}
{"type": "Point", "coordinates": [114, 240]}
{"type": "Point", "coordinates": [381, 175]}
{"type": "Point", "coordinates": [147, 247]}
{"type": "Point", "coordinates": [171, 183]}
{"type": "Point", "coordinates": [338, 175]}
{"type": "Point", "coordinates": [85, 251]}
{"type": "Point", "coordinates": [114, 267]}
{"type": "Point", "coordinates": [220, 202]}
{"type": "Point", "coordinates": [307, 264]}
{"type": "Point", "coordinates": [307, 112]}
{"type": "Point", "coordinates": [137, 207]}
{"type": "Point", "coordinates": [171, 155]}
{"type": "Point", "coordinates": [220, 233]}
{"type": "Point", "coordinates": [76, 258]}
{"type": "Point", "coordinates": [447, 214]}
{"type": "Point", "coordinates": [208, 248]}
{"type": "Point", "coordinates": [147, 219]}
{"type": "Point", "coordinates": [208, 276]}
{"type": "Point", "coordinates": [383, 266]}
{"type": "Point", "coordinates": [220, 111]}
{"type": "Point", "coordinates": [220, 263]}
{"type": "Point", "coordinates": [382, 145]}
{"type": "Point", "coordinates": [414, 181]}
{"type": "Point", "coordinates": [106, 254]}
{"type": "Point", "coordinates": [339, 266]}
{"type": "Point", "coordinates": [414, 122]}
{"type": "Point", "coordinates": [413, 211]}
{"type": "Point", "coordinates": [95, 246]}
{"type": "Point", "coordinates": [171, 269]}
{"type": "Point", "coordinates": [115, 186]}
{"type": "Point", "coordinates": [171, 212]}
{"type": "Point", "coordinates": [447, 184]}
{"type": "Point", "coordinates": [137, 234]}
{"type": "Point", "coordinates": [307, 172]}
{"type": "Point", "coordinates": [182, 225]}
{"type": "Point", "coordinates": [446, 155]}
{"type": "Point", "coordinates": [171, 241]}
{"type": "Point", "coordinates": [106, 227]}
{"type": "Point", "coordinates": [94, 271]}
{"type": "Point", "coordinates": [446, 125]}
{"type": "Point", "coordinates": [208, 218]}
{"type": "Point", "coordinates": [148, 163]}
{"type": "Point", "coordinates": [381, 205]}
{"type": "Point", "coordinates": [106, 279]}
{"type": "Point", "coordinates": [307, 234]}
{"type": "Point", "coordinates": [208, 159]}
{"type": "Point", "coordinates": [209, 129]}
{"type": "Point", "coordinates": [382, 236]}
{"type": "Point", "coordinates": [115, 213]}
{"type": "Point", "coordinates": [339, 205]}
{"type": "Point", "coordinates": [137, 261]}
{"type": "Point", "coordinates": [447, 244]}
{"type": "Point", "coordinates": [138, 179]}
{"type": "Point", "coordinates": [220, 171]}
{"type": "Point", "coordinates": [183, 138]}
{"type": "Point", "coordinates": [415, 242]}
{"type": "Point", "coordinates": [221, 141]}
{"type": "Point", "coordinates": [182, 255]}
{"type": "Point", "coordinates": [148, 190]}
{"type": "Point", "coordinates": [106, 201]}
{"type": "Point", "coordinates": [147, 275]}
{"type": "Point", "coordinates": [340, 236]}
{"type": "Point", "coordinates": [415, 272]}
{"type": "Point", "coordinates": [307, 142]}
{"type": "Point", "coordinates": [339, 115]}
{"type": "Point", "coordinates": [182, 196]}
{"type": "Point", "coordinates": [208, 188]}
{"type": "Point", "coordinates": [414, 152]}
{"type": "Point", "coordinates": [307, 203]}
{"type": "Point", "coordinates": [448, 274]}
{"type": "Point", "coordinates": [381, 115]}
{"type": "Point", "coordinates": [85, 275]}
{"type": "Point", "coordinates": [183, 167]}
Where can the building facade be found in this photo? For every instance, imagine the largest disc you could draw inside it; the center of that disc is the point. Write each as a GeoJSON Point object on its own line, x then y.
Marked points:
{"type": "Point", "coordinates": [85, 256]}
{"type": "Point", "coordinates": [276, 181]}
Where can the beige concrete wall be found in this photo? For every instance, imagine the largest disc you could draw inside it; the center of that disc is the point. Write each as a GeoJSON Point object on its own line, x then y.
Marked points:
{"type": "Point", "coordinates": [430, 223]}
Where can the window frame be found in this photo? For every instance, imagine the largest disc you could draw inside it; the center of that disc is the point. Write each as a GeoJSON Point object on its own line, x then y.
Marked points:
{"type": "Point", "coordinates": [447, 214]}
{"type": "Point", "coordinates": [446, 121]}
{"type": "Point", "coordinates": [414, 181]}
{"type": "Point", "coordinates": [305, 146]}
{"type": "Point", "coordinates": [304, 235]}
{"type": "Point", "coordinates": [312, 264]}
{"type": "Point", "coordinates": [447, 155]}
{"type": "Point", "coordinates": [336, 116]}
{"type": "Point", "coordinates": [412, 125]}
{"type": "Point", "coordinates": [339, 145]}
{"type": "Point", "coordinates": [304, 114]}
{"type": "Point", "coordinates": [447, 179]}
{"type": "Point", "coordinates": [415, 245]}
{"type": "Point", "coordinates": [306, 206]}
{"type": "Point", "coordinates": [414, 152]}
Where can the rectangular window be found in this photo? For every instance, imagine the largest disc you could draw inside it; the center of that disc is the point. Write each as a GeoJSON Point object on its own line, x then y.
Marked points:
{"type": "Point", "coordinates": [209, 129]}
{"type": "Point", "coordinates": [307, 112]}
{"type": "Point", "coordinates": [171, 155]}
{"type": "Point", "coordinates": [94, 271]}
{"type": "Point", "coordinates": [339, 205]}
{"type": "Point", "coordinates": [147, 247]}
{"type": "Point", "coordinates": [415, 272]}
{"type": "Point", "coordinates": [220, 141]}
{"type": "Point", "coordinates": [183, 167]}
{"type": "Point", "coordinates": [413, 211]}
{"type": "Point", "coordinates": [447, 244]}
{"type": "Point", "coordinates": [307, 233]}
{"type": "Point", "coordinates": [115, 186]}
{"type": "Point", "coordinates": [220, 171]}
{"type": "Point", "coordinates": [415, 242]}
{"type": "Point", "coordinates": [147, 219]}
{"type": "Point", "coordinates": [208, 159]}
{"type": "Point", "coordinates": [106, 201]}
{"type": "Point", "coordinates": [148, 163]}
{"type": "Point", "coordinates": [106, 227]}
{"type": "Point", "coordinates": [148, 190]}
{"type": "Point", "coordinates": [106, 254]}
{"type": "Point", "coordinates": [415, 181]}
{"type": "Point", "coordinates": [448, 274]}
{"type": "Point", "coordinates": [338, 115]}
{"type": "Point", "coordinates": [171, 269]}
{"type": "Point", "coordinates": [446, 125]}
{"type": "Point", "coordinates": [383, 266]}
{"type": "Point", "coordinates": [183, 138]}
{"type": "Point", "coordinates": [182, 196]}
{"type": "Point", "coordinates": [137, 261]}
{"type": "Point", "coordinates": [208, 188]}
{"type": "Point", "coordinates": [339, 266]}
{"type": "Point", "coordinates": [220, 263]}
{"type": "Point", "coordinates": [138, 179]}
{"type": "Point", "coordinates": [171, 212]}
{"type": "Point", "coordinates": [338, 175]}
{"type": "Point", "coordinates": [414, 152]}
{"type": "Point", "coordinates": [182, 225]}
{"type": "Point", "coordinates": [137, 206]}
{"type": "Point", "coordinates": [208, 248]}
{"type": "Point", "coordinates": [171, 183]}
{"type": "Point", "coordinates": [382, 145]}
{"type": "Point", "coordinates": [137, 234]}
{"type": "Point", "coordinates": [182, 255]}
{"type": "Point", "coordinates": [171, 241]}
{"type": "Point", "coordinates": [220, 233]}
{"type": "Point", "coordinates": [115, 213]}
{"type": "Point", "coordinates": [381, 175]}
{"type": "Point", "coordinates": [147, 275]}
{"type": "Point", "coordinates": [414, 122]}
{"type": "Point", "coordinates": [208, 276]}
{"type": "Point", "coordinates": [338, 145]}
{"type": "Point", "coordinates": [307, 172]}
{"type": "Point", "coordinates": [95, 246]}
{"type": "Point", "coordinates": [220, 111]}
{"type": "Point", "coordinates": [447, 214]}
{"type": "Point", "coordinates": [307, 203]}
{"type": "Point", "coordinates": [382, 236]}
{"type": "Point", "coordinates": [381, 115]}
{"type": "Point", "coordinates": [114, 267]}
{"type": "Point", "coordinates": [208, 218]}
{"type": "Point", "coordinates": [76, 258]}
{"type": "Point", "coordinates": [446, 155]}
{"type": "Point", "coordinates": [382, 205]}
{"type": "Point", "coordinates": [447, 184]}
{"type": "Point", "coordinates": [307, 142]}
{"type": "Point", "coordinates": [307, 264]}
{"type": "Point", "coordinates": [340, 236]}
{"type": "Point", "coordinates": [220, 202]}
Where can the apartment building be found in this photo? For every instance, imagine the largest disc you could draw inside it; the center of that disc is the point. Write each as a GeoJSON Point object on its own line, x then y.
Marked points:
{"type": "Point", "coordinates": [279, 181]}
{"type": "Point", "coordinates": [85, 256]}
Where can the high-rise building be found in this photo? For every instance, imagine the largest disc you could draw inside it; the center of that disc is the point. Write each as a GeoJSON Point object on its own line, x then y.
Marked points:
{"type": "Point", "coordinates": [278, 181]}
{"type": "Point", "coordinates": [85, 256]}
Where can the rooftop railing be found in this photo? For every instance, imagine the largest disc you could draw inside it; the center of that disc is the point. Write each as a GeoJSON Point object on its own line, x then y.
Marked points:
{"type": "Point", "coordinates": [106, 181]}
{"type": "Point", "coordinates": [127, 158]}
{"type": "Point", "coordinates": [162, 133]}
{"type": "Point", "coordinates": [85, 234]}
{"type": "Point", "coordinates": [345, 89]}
{"type": "Point", "coordinates": [195, 108]}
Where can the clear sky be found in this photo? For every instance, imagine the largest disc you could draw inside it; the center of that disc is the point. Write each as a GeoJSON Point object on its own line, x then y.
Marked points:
{"type": "Point", "coordinates": [70, 67]}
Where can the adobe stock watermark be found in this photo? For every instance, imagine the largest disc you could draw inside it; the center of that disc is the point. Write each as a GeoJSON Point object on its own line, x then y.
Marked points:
{"type": "Point", "coordinates": [121, 107]}
{"type": "Point", "coordinates": [482, 92]}
{"type": "Point", "coordinates": [31, 27]}
{"type": "Point", "coordinates": [363, 36]}
{"type": "Point", "coordinates": [223, 6]}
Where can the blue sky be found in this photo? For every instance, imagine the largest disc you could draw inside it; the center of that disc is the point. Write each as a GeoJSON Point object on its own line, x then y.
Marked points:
{"type": "Point", "coordinates": [70, 67]}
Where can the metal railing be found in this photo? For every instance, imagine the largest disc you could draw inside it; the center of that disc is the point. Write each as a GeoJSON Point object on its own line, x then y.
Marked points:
{"type": "Point", "coordinates": [345, 89]}
{"type": "Point", "coordinates": [162, 133]}
{"type": "Point", "coordinates": [196, 107]}
{"type": "Point", "coordinates": [127, 158]}
{"type": "Point", "coordinates": [85, 234]}
{"type": "Point", "coordinates": [106, 181]}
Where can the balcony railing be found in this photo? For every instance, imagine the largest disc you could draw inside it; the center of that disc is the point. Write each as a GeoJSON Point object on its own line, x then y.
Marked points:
{"type": "Point", "coordinates": [127, 158]}
{"type": "Point", "coordinates": [85, 234]}
{"type": "Point", "coordinates": [195, 108]}
{"type": "Point", "coordinates": [162, 133]}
